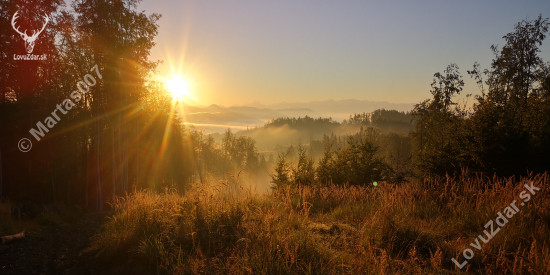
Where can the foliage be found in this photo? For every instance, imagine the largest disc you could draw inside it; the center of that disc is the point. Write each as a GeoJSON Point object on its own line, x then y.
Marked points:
{"type": "Point", "coordinates": [508, 130]}
{"type": "Point", "coordinates": [288, 175]}
{"type": "Point", "coordinates": [355, 162]}
{"type": "Point", "coordinates": [511, 126]}
{"type": "Point", "coordinates": [119, 135]}
{"type": "Point", "coordinates": [440, 133]}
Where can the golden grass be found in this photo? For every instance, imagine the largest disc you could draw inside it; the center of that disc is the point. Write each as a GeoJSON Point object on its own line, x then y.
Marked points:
{"type": "Point", "coordinates": [414, 228]}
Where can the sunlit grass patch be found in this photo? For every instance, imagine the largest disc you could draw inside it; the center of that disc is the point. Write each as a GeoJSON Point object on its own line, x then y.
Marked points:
{"type": "Point", "coordinates": [406, 229]}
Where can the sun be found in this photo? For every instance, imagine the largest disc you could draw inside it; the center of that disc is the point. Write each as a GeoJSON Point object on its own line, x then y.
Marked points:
{"type": "Point", "coordinates": [179, 88]}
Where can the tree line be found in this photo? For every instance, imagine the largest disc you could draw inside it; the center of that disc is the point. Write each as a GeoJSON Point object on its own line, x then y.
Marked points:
{"type": "Point", "coordinates": [505, 133]}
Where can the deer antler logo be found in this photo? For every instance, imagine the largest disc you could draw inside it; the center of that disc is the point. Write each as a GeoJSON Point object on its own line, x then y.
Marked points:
{"type": "Point", "coordinates": [29, 40]}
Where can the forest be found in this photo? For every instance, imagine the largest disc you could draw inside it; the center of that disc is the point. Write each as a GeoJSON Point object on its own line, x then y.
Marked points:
{"type": "Point", "coordinates": [295, 196]}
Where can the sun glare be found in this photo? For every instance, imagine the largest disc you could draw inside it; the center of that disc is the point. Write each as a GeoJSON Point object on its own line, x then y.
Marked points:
{"type": "Point", "coordinates": [179, 88]}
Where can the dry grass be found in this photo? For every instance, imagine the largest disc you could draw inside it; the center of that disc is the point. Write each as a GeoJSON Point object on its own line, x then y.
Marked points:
{"type": "Point", "coordinates": [415, 228]}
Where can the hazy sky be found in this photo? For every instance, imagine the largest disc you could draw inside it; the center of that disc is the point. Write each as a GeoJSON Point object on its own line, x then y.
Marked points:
{"type": "Point", "coordinates": [239, 51]}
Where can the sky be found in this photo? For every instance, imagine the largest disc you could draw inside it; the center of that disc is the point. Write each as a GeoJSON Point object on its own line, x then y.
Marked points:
{"type": "Point", "coordinates": [233, 52]}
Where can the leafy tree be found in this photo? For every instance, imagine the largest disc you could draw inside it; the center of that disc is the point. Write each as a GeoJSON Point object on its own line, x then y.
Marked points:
{"type": "Point", "coordinates": [440, 134]}
{"type": "Point", "coordinates": [508, 132]}
{"type": "Point", "coordinates": [511, 120]}
{"type": "Point", "coordinates": [240, 151]}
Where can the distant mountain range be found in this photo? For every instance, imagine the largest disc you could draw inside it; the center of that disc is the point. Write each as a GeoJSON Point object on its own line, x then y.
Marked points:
{"type": "Point", "coordinates": [337, 109]}
{"type": "Point", "coordinates": [216, 118]}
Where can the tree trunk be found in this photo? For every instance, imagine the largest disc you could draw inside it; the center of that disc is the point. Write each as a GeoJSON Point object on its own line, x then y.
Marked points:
{"type": "Point", "coordinates": [51, 168]}
{"type": "Point", "coordinates": [199, 155]}
{"type": "Point", "coordinates": [113, 159]}
{"type": "Point", "coordinates": [99, 187]}
{"type": "Point", "coordinates": [137, 151]}
{"type": "Point", "coordinates": [87, 172]}
{"type": "Point", "coordinates": [0, 175]}
{"type": "Point", "coordinates": [99, 200]}
{"type": "Point", "coordinates": [125, 160]}
{"type": "Point", "coordinates": [67, 175]}
{"type": "Point", "coordinates": [86, 162]}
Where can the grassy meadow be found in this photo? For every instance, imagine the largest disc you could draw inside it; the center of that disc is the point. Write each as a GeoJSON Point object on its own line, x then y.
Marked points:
{"type": "Point", "coordinates": [411, 228]}
{"type": "Point", "coordinates": [113, 159]}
